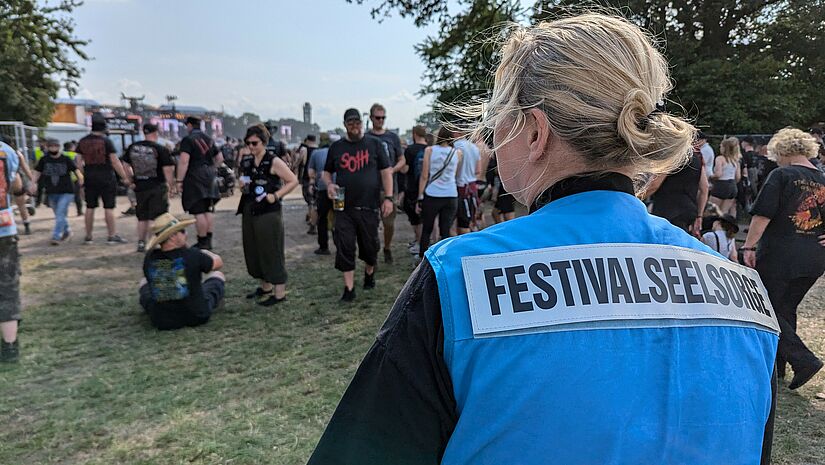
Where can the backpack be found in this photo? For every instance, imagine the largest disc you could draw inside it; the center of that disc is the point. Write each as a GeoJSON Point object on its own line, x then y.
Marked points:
{"type": "Point", "coordinates": [418, 163]}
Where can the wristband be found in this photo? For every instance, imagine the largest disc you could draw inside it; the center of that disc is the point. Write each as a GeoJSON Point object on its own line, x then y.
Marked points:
{"type": "Point", "coordinates": [389, 197]}
{"type": "Point", "coordinates": [752, 249]}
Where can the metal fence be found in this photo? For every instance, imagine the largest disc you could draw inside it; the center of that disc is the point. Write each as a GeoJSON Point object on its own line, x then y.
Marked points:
{"type": "Point", "coordinates": [23, 138]}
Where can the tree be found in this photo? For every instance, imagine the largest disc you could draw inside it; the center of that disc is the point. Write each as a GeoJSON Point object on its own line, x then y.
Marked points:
{"type": "Point", "coordinates": [739, 66]}
{"type": "Point", "coordinates": [36, 47]}
{"type": "Point", "coordinates": [430, 120]}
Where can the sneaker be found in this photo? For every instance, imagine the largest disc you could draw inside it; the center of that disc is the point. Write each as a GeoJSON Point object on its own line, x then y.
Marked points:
{"type": "Point", "coordinates": [349, 295]}
{"type": "Point", "coordinates": [66, 235]}
{"type": "Point", "coordinates": [54, 241]}
{"type": "Point", "coordinates": [415, 248]}
{"type": "Point", "coordinates": [312, 230]}
{"type": "Point", "coordinates": [27, 229]}
{"type": "Point", "coordinates": [141, 248]}
{"type": "Point", "coordinates": [88, 240]}
{"type": "Point", "coordinates": [272, 300]}
{"type": "Point", "coordinates": [387, 256]}
{"type": "Point", "coordinates": [804, 375]}
{"type": "Point", "coordinates": [116, 240]}
{"type": "Point", "coordinates": [9, 351]}
{"type": "Point", "coordinates": [369, 280]}
{"type": "Point", "coordinates": [129, 212]}
{"type": "Point", "coordinates": [320, 251]}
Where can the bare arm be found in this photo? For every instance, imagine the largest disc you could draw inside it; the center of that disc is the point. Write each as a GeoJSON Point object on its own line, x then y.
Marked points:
{"type": "Point", "coordinates": [290, 181]}
{"type": "Point", "coordinates": [425, 172]}
{"type": "Point", "coordinates": [400, 164]}
{"type": "Point", "coordinates": [183, 166]}
{"type": "Point", "coordinates": [118, 167]}
{"type": "Point", "coordinates": [387, 205]}
{"type": "Point", "coordinates": [332, 188]}
{"type": "Point", "coordinates": [718, 166]}
{"type": "Point", "coordinates": [217, 261]}
{"type": "Point", "coordinates": [169, 174]}
{"type": "Point", "coordinates": [701, 202]}
{"type": "Point", "coordinates": [755, 231]}
{"type": "Point", "coordinates": [24, 165]}
{"type": "Point", "coordinates": [655, 184]}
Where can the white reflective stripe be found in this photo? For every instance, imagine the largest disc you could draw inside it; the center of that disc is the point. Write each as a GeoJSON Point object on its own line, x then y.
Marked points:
{"type": "Point", "coordinates": [516, 291]}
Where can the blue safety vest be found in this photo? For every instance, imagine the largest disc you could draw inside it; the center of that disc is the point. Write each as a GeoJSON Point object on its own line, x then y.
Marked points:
{"type": "Point", "coordinates": [590, 332]}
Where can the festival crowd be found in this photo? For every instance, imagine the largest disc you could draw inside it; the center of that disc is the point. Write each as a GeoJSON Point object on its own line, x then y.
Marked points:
{"type": "Point", "coordinates": [355, 186]}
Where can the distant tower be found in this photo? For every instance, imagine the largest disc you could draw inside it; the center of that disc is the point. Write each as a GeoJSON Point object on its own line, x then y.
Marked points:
{"type": "Point", "coordinates": [307, 113]}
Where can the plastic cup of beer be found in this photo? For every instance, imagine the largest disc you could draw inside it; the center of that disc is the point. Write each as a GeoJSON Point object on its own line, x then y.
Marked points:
{"type": "Point", "coordinates": [338, 201]}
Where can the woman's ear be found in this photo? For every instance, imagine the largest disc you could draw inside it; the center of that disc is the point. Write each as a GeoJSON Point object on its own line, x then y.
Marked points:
{"type": "Point", "coordinates": [539, 133]}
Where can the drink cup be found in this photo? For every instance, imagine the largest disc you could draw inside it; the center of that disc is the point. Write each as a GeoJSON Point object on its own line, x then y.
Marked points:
{"type": "Point", "coordinates": [338, 201]}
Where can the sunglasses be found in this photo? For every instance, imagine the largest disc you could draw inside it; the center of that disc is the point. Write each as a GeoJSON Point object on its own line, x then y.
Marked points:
{"type": "Point", "coordinates": [253, 143]}
{"type": "Point", "coordinates": [379, 117]}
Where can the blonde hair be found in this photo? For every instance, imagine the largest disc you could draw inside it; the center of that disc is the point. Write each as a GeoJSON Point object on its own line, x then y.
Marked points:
{"type": "Point", "coordinates": [600, 82]}
{"type": "Point", "coordinates": [729, 148]}
{"type": "Point", "coordinates": [791, 142]}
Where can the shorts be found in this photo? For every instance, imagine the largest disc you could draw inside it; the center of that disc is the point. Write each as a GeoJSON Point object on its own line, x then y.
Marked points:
{"type": "Point", "coordinates": [355, 227]}
{"type": "Point", "coordinates": [506, 203]}
{"type": "Point", "coordinates": [308, 198]}
{"type": "Point", "coordinates": [9, 279]}
{"type": "Point", "coordinates": [467, 206]}
{"type": "Point", "coordinates": [100, 186]}
{"type": "Point", "coordinates": [202, 206]}
{"type": "Point", "coordinates": [409, 208]}
{"type": "Point", "coordinates": [724, 189]}
{"type": "Point", "coordinates": [151, 203]}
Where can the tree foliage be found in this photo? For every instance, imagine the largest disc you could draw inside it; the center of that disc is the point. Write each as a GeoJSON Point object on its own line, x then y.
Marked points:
{"type": "Point", "coordinates": [738, 65]}
{"type": "Point", "coordinates": [37, 57]}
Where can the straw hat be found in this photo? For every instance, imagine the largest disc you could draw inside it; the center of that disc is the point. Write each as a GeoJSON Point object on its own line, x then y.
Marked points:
{"type": "Point", "coordinates": [165, 225]}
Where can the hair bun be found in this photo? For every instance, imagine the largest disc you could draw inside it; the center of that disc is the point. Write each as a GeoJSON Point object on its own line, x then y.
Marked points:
{"type": "Point", "coordinates": [633, 124]}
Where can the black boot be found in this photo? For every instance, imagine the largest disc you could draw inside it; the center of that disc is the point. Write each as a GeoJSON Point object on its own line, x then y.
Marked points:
{"type": "Point", "coordinates": [9, 351]}
{"type": "Point", "coordinates": [201, 244]}
{"type": "Point", "coordinates": [209, 241]}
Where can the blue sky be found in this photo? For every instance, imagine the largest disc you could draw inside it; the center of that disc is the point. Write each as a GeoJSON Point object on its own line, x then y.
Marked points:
{"type": "Point", "coordinates": [245, 55]}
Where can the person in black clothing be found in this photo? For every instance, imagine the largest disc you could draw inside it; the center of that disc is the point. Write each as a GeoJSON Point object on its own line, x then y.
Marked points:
{"type": "Point", "coordinates": [392, 146]}
{"type": "Point", "coordinates": [301, 164]}
{"type": "Point", "coordinates": [782, 243]}
{"type": "Point", "coordinates": [181, 286]}
{"type": "Point", "coordinates": [57, 170]}
{"type": "Point", "coordinates": [265, 180]}
{"type": "Point", "coordinates": [358, 163]}
{"type": "Point", "coordinates": [197, 179]}
{"type": "Point", "coordinates": [99, 163]}
{"type": "Point", "coordinates": [681, 197]}
{"type": "Point", "coordinates": [153, 170]}
{"type": "Point", "coordinates": [413, 166]}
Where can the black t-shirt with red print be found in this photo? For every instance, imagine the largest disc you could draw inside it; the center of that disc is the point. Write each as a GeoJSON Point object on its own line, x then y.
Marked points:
{"type": "Point", "coordinates": [357, 165]}
{"type": "Point", "coordinates": [793, 197]}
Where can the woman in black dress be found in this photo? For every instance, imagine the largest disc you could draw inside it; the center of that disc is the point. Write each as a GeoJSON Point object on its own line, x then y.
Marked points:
{"type": "Point", "coordinates": [265, 179]}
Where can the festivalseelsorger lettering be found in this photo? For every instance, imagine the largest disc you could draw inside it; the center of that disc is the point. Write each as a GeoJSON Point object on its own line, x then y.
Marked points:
{"type": "Point", "coordinates": [610, 282]}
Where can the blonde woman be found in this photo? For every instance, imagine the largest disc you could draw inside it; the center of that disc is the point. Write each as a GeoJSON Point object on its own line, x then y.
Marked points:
{"type": "Point", "coordinates": [580, 333]}
{"type": "Point", "coordinates": [726, 175]}
{"type": "Point", "coordinates": [782, 242]}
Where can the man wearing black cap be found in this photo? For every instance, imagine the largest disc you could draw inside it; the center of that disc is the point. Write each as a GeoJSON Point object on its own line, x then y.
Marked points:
{"type": "Point", "coordinates": [197, 179]}
{"type": "Point", "coordinates": [356, 161]}
{"type": "Point", "coordinates": [99, 163]}
{"type": "Point", "coordinates": [153, 170]}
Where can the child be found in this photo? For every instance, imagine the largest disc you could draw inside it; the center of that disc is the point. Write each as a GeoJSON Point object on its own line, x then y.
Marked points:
{"type": "Point", "coordinates": [722, 237]}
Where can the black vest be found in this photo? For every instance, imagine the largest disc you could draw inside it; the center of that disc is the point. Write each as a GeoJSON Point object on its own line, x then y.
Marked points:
{"type": "Point", "coordinates": [262, 182]}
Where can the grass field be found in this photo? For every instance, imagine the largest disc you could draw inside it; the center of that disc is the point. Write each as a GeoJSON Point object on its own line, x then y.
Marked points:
{"type": "Point", "coordinates": [97, 385]}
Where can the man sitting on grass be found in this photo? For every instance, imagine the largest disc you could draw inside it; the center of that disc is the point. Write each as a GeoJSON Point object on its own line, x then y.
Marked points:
{"type": "Point", "coordinates": [181, 286]}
